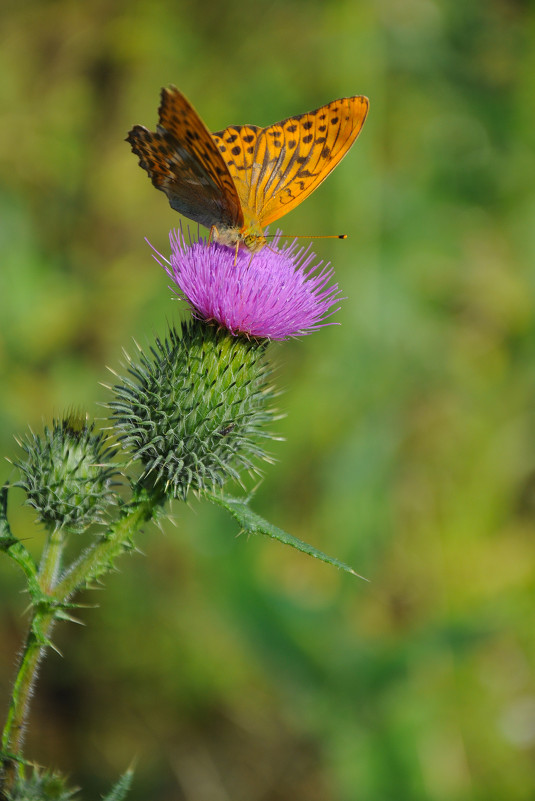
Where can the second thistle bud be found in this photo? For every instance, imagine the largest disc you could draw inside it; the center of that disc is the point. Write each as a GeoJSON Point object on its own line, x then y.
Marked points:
{"type": "Point", "coordinates": [67, 475]}
{"type": "Point", "coordinates": [194, 410]}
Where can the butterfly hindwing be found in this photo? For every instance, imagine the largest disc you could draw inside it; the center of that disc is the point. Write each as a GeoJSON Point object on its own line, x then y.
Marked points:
{"type": "Point", "coordinates": [183, 161]}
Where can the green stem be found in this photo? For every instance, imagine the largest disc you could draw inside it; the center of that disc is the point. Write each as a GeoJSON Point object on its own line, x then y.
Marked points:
{"type": "Point", "coordinates": [34, 649]}
{"type": "Point", "coordinates": [98, 559]}
{"type": "Point", "coordinates": [94, 561]}
{"type": "Point", "coordinates": [51, 561]}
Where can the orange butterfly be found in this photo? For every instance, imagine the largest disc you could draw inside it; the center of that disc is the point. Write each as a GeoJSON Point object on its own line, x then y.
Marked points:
{"type": "Point", "coordinates": [239, 180]}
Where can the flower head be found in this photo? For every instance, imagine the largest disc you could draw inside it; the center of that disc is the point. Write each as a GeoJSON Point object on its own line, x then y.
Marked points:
{"type": "Point", "coordinates": [274, 294]}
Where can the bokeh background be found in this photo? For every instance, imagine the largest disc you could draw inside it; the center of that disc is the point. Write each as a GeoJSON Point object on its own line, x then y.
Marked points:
{"type": "Point", "coordinates": [235, 669]}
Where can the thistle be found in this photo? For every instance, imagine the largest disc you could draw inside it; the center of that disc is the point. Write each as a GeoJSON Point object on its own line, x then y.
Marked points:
{"type": "Point", "coordinates": [194, 412]}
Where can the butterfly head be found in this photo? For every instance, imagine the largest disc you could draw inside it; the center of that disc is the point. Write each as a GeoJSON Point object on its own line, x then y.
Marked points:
{"type": "Point", "coordinates": [253, 242]}
{"type": "Point", "coordinates": [250, 237]}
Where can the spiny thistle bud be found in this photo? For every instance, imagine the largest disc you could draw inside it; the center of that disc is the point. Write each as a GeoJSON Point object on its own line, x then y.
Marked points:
{"type": "Point", "coordinates": [67, 476]}
{"type": "Point", "coordinates": [193, 411]}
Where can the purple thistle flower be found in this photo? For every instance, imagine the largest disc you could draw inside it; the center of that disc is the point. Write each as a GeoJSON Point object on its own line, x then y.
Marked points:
{"type": "Point", "coordinates": [274, 294]}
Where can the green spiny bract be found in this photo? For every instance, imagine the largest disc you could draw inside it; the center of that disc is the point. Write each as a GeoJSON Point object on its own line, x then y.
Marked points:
{"type": "Point", "coordinates": [67, 475]}
{"type": "Point", "coordinates": [193, 410]}
{"type": "Point", "coordinates": [42, 785]}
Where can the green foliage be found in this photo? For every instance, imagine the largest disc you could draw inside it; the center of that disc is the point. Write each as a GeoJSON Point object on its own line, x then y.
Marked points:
{"type": "Point", "coordinates": [121, 787]}
{"type": "Point", "coordinates": [15, 549]}
{"type": "Point", "coordinates": [42, 785]}
{"type": "Point", "coordinates": [252, 523]}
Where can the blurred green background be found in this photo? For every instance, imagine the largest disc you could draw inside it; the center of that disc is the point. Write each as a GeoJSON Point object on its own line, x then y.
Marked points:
{"type": "Point", "coordinates": [230, 668]}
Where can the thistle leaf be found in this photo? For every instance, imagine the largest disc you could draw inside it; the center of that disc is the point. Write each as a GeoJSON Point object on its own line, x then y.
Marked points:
{"type": "Point", "coordinates": [254, 524]}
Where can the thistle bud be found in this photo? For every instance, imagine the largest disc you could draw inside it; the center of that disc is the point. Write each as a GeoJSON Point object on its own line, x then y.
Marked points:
{"type": "Point", "coordinates": [67, 475]}
{"type": "Point", "coordinates": [193, 411]}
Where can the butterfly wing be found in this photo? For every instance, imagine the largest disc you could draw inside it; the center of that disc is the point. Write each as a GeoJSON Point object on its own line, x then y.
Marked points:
{"type": "Point", "coordinates": [276, 168]}
{"type": "Point", "coordinates": [183, 161]}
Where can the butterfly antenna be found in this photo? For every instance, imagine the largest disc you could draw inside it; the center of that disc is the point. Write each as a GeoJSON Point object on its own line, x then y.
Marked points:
{"type": "Point", "coordinates": [309, 236]}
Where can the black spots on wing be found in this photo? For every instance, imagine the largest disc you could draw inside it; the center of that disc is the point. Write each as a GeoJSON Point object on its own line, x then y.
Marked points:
{"type": "Point", "coordinates": [335, 120]}
{"type": "Point", "coordinates": [222, 148]}
{"type": "Point", "coordinates": [221, 171]}
{"type": "Point", "coordinates": [307, 139]}
{"type": "Point", "coordinates": [192, 136]}
{"type": "Point", "coordinates": [152, 151]}
{"type": "Point", "coordinates": [232, 138]}
{"type": "Point", "coordinates": [322, 127]}
{"type": "Point", "coordinates": [302, 159]}
{"type": "Point", "coordinates": [232, 163]}
{"type": "Point", "coordinates": [250, 149]}
{"type": "Point", "coordinates": [276, 136]}
{"type": "Point", "coordinates": [248, 138]}
{"type": "Point", "coordinates": [291, 128]}
{"type": "Point", "coordinates": [321, 117]}
{"type": "Point", "coordinates": [291, 144]}
{"type": "Point", "coordinates": [326, 152]}
{"type": "Point", "coordinates": [305, 174]}
{"type": "Point", "coordinates": [308, 125]}
{"type": "Point", "coordinates": [235, 150]}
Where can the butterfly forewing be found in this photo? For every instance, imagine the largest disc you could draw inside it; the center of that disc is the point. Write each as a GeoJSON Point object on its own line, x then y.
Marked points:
{"type": "Point", "coordinates": [290, 159]}
{"type": "Point", "coordinates": [183, 161]}
{"type": "Point", "coordinates": [237, 146]}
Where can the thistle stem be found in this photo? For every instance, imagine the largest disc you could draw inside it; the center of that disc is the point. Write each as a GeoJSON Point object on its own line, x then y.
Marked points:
{"type": "Point", "coordinates": [34, 649]}
{"type": "Point", "coordinates": [93, 562]}
{"type": "Point", "coordinates": [98, 558]}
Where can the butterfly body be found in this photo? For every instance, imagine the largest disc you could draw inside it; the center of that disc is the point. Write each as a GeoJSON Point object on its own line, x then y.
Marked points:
{"type": "Point", "coordinates": [240, 179]}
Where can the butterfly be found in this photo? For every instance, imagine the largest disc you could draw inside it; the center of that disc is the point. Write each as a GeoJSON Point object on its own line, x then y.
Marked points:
{"type": "Point", "coordinates": [237, 181]}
